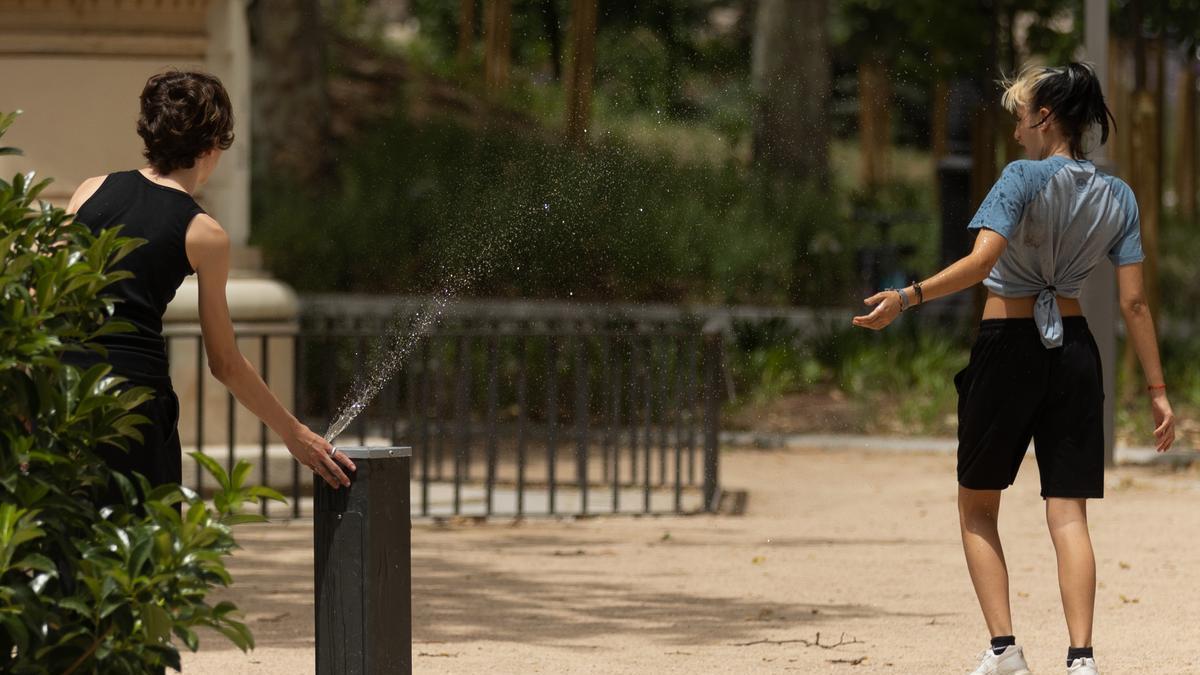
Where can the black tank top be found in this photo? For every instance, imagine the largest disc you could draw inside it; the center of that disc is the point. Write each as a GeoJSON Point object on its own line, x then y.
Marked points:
{"type": "Point", "coordinates": [160, 215]}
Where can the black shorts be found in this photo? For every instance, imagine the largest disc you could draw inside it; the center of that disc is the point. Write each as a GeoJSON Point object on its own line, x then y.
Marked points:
{"type": "Point", "coordinates": [1014, 390]}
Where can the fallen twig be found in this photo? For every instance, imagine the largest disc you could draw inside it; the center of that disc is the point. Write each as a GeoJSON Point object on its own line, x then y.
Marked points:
{"type": "Point", "coordinates": [807, 643]}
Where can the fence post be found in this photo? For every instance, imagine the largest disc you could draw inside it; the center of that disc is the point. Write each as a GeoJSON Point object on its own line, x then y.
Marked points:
{"type": "Point", "coordinates": [713, 354]}
{"type": "Point", "coordinates": [361, 537]}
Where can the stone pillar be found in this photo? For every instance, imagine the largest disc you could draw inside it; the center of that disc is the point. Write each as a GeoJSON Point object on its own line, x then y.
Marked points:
{"type": "Point", "coordinates": [76, 70]}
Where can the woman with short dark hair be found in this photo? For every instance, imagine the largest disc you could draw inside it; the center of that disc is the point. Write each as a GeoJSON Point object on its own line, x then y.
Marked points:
{"type": "Point", "coordinates": [186, 122]}
{"type": "Point", "coordinates": [1034, 371]}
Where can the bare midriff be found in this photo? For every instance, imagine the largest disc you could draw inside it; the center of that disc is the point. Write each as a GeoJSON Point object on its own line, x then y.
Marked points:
{"type": "Point", "coordinates": [1000, 307]}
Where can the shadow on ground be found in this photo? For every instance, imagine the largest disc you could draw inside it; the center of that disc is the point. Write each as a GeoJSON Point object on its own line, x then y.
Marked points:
{"type": "Point", "coordinates": [526, 593]}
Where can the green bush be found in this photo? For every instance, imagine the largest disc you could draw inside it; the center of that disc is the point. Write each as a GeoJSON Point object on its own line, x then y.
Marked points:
{"type": "Point", "coordinates": [906, 371]}
{"type": "Point", "coordinates": [415, 205]}
{"type": "Point", "coordinates": [86, 587]}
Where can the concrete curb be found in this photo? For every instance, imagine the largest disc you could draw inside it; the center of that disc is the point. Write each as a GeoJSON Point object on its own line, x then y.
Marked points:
{"type": "Point", "coordinates": [1126, 455]}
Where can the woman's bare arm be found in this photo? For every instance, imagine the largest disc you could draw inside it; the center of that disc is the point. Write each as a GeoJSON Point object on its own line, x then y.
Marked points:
{"type": "Point", "coordinates": [962, 273]}
{"type": "Point", "coordinates": [1139, 327]}
{"type": "Point", "coordinates": [208, 252]}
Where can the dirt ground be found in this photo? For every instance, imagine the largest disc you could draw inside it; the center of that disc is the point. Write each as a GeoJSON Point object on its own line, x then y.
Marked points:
{"type": "Point", "coordinates": [847, 547]}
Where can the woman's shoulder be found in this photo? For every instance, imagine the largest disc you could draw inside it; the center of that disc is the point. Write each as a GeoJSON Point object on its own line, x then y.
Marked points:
{"type": "Point", "coordinates": [87, 188]}
{"type": "Point", "coordinates": [1028, 177]}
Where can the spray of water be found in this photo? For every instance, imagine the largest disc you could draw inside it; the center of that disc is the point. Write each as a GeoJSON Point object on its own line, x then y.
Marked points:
{"type": "Point", "coordinates": [405, 333]}
{"type": "Point", "coordinates": [397, 344]}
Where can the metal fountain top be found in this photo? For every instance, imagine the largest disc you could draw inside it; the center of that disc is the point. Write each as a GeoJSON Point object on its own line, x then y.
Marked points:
{"type": "Point", "coordinates": [374, 452]}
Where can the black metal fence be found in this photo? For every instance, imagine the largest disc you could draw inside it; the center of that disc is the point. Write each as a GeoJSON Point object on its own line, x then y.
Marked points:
{"type": "Point", "coordinates": [513, 417]}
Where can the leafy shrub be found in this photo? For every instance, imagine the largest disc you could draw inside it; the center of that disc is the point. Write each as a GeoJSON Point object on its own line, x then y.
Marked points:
{"type": "Point", "coordinates": [414, 205]}
{"type": "Point", "coordinates": [86, 587]}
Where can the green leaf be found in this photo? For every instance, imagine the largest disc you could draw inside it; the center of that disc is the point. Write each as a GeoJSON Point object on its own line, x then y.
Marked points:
{"type": "Point", "coordinates": [213, 468]}
{"type": "Point", "coordinates": [188, 636]}
{"type": "Point", "coordinates": [264, 492]}
{"type": "Point", "coordinates": [158, 622]}
{"type": "Point", "coordinates": [244, 518]}
{"type": "Point", "coordinates": [36, 561]}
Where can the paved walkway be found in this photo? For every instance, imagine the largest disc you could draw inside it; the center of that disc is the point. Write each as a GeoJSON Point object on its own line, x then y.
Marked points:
{"type": "Point", "coordinates": [842, 546]}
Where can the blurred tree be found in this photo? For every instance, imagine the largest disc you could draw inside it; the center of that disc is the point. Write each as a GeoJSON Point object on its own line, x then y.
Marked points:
{"type": "Point", "coordinates": [288, 75]}
{"type": "Point", "coordinates": [551, 25]}
{"type": "Point", "coordinates": [868, 32]}
{"type": "Point", "coordinates": [581, 68]}
{"type": "Point", "coordinates": [790, 75]}
{"type": "Point", "coordinates": [466, 32]}
{"type": "Point", "coordinates": [497, 35]}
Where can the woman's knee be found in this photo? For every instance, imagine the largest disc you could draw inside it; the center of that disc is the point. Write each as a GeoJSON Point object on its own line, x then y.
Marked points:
{"type": "Point", "coordinates": [1063, 512]}
{"type": "Point", "coordinates": [978, 505]}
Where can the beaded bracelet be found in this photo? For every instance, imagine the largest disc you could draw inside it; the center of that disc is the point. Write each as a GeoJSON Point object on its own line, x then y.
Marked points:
{"type": "Point", "coordinates": [1156, 387]}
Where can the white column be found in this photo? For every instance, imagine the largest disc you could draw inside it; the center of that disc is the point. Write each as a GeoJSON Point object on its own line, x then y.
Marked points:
{"type": "Point", "coordinates": [227, 195]}
{"type": "Point", "coordinates": [1099, 298]}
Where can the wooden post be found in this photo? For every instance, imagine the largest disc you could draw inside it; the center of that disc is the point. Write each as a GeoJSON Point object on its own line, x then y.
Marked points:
{"type": "Point", "coordinates": [361, 537]}
{"type": "Point", "coordinates": [581, 68]}
{"type": "Point", "coordinates": [874, 124]}
{"type": "Point", "coordinates": [497, 36]}
{"type": "Point", "coordinates": [466, 31]}
{"type": "Point", "coordinates": [1185, 159]}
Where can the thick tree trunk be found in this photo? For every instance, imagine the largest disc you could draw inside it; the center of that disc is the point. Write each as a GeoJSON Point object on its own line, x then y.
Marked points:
{"type": "Point", "coordinates": [791, 79]}
{"type": "Point", "coordinates": [580, 69]}
{"type": "Point", "coordinates": [466, 32]}
{"type": "Point", "coordinates": [288, 74]}
{"type": "Point", "coordinates": [1185, 159]}
{"type": "Point", "coordinates": [874, 125]}
{"type": "Point", "coordinates": [497, 35]}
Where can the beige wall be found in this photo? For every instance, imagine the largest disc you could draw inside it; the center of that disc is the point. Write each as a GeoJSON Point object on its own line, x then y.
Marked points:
{"type": "Point", "coordinates": [76, 70]}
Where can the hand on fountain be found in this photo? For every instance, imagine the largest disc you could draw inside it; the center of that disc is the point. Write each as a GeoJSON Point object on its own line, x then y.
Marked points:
{"type": "Point", "coordinates": [313, 451]}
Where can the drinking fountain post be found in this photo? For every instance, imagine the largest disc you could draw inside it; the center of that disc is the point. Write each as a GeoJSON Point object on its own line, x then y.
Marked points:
{"type": "Point", "coordinates": [361, 539]}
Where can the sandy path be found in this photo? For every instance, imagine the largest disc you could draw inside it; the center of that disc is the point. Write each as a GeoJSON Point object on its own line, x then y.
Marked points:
{"type": "Point", "coordinates": [864, 545]}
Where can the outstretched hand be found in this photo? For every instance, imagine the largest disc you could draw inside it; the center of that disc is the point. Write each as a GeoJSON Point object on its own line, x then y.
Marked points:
{"type": "Point", "coordinates": [319, 455]}
{"type": "Point", "coordinates": [887, 308]}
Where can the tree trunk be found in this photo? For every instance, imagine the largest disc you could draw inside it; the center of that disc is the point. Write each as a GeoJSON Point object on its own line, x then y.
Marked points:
{"type": "Point", "coordinates": [939, 119]}
{"type": "Point", "coordinates": [1146, 181]}
{"type": "Point", "coordinates": [874, 124]}
{"type": "Point", "coordinates": [1117, 95]}
{"type": "Point", "coordinates": [1185, 159]}
{"type": "Point", "coordinates": [466, 32]}
{"type": "Point", "coordinates": [550, 22]}
{"type": "Point", "coordinates": [497, 34]}
{"type": "Point", "coordinates": [791, 78]}
{"type": "Point", "coordinates": [580, 69]}
{"type": "Point", "coordinates": [288, 75]}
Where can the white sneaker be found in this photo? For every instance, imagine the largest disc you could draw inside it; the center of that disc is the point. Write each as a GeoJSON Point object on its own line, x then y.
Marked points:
{"type": "Point", "coordinates": [1084, 666]}
{"type": "Point", "coordinates": [1008, 662]}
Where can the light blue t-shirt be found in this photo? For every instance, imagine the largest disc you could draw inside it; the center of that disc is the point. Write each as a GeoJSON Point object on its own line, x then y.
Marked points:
{"type": "Point", "coordinates": [1059, 216]}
